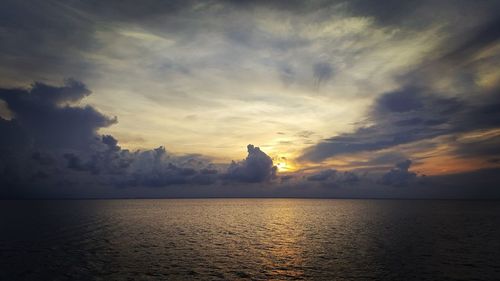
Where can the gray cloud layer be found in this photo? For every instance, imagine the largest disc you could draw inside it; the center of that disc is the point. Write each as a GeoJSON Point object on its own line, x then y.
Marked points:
{"type": "Point", "coordinates": [418, 111]}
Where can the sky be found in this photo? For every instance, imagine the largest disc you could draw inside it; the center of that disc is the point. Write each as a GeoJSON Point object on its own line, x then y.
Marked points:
{"type": "Point", "coordinates": [347, 99]}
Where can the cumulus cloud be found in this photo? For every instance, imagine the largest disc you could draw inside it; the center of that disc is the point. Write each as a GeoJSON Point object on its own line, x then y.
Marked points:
{"type": "Point", "coordinates": [146, 168]}
{"type": "Point", "coordinates": [257, 167]}
{"type": "Point", "coordinates": [399, 175]}
{"type": "Point", "coordinates": [52, 138]}
{"type": "Point", "coordinates": [45, 118]}
{"type": "Point", "coordinates": [155, 168]}
{"type": "Point", "coordinates": [46, 123]}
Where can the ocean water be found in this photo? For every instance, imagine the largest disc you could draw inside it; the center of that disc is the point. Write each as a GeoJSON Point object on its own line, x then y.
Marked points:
{"type": "Point", "coordinates": [249, 239]}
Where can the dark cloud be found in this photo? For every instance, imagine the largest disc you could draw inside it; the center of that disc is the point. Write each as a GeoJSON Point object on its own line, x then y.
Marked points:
{"type": "Point", "coordinates": [257, 167]}
{"type": "Point", "coordinates": [45, 118]}
{"type": "Point", "coordinates": [322, 175]}
{"type": "Point", "coordinates": [399, 175]}
{"type": "Point", "coordinates": [347, 178]}
{"type": "Point", "coordinates": [417, 111]}
{"type": "Point", "coordinates": [52, 139]}
{"type": "Point", "coordinates": [481, 184]}
{"type": "Point", "coordinates": [385, 12]}
{"type": "Point", "coordinates": [129, 10]}
{"type": "Point", "coordinates": [399, 117]}
{"type": "Point", "coordinates": [156, 168]}
{"type": "Point", "coordinates": [334, 178]}
{"type": "Point", "coordinates": [482, 36]}
{"type": "Point", "coordinates": [148, 168]}
{"type": "Point", "coordinates": [286, 178]}
{"type": "Point", "coordinates": [487, 147]}
{"type": "Point", "coordinates": [420, 14]}
{"type": "Point", "coordinates": [400, 101]}
{"type": "Point", "coordinates": [404, 165]}
{"type": "Point", "coordinates": [53, 35]}
{"type": "Point", "coordinates": [323, 72]}
{"type": "Point", "coordinates": [43, 40]}
{"type": "Point", "coordinates": [47, 133]}
{"type": "Point", "coordinates": [111, 142]}
{"type": "Point", "coordinates": [386, 158]}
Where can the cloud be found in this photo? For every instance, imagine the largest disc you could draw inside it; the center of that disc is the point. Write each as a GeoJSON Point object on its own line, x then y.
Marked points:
{"type": "Point", "coordinates": [427, 74]}
{"type": "Point", "coordinates": [399, 175]}
{"type": "Point", "coordinates": [399, 101]}
{"type": "Point", "coordinates": [44, 116]}
{"type": "Point", "coordinates": [52, 140]}
{"type": "Point", "coordinates": [434, 100]}
{"type": "Point", "coordinates": [51, 135]}
{"type": "Point", "coordinates": [418, 14]}
{"type": "Point", "coordinates": [333, 178]}
{"type": "Point", "coordinates": [98, 167]}
{"type": "Point", "coordinates": [47, 127]}
{"type": "Point", "coordinates": [408, 116]}
{"type": "Point", "coordinates": [257, 167]}
{"type": "Point", "coordinates": [399, 117]}
{"type": "Point", "coordinates": [323, 71]}
{"type": "Point", "coordinates": [347, 178]}
{"type": "Point", "coordinates": [439, 97]}
{"type": "Point", "coordinates": [482, 36]}
{"type": "Point", "coordinates": [322, 175]}
{"type": "Point", "coordinates": [156, 168]}
{"type": "Point", "coordinates": [147, 168]}
{"type": "Point", "coordinates": [486, 146]}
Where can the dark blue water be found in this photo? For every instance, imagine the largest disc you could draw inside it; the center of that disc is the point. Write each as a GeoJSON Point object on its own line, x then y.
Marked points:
{"type": "Point", "coordinates": [249, 239]}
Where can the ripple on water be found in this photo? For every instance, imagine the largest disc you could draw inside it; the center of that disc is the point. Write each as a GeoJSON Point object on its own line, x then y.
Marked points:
{"type": "Point", "coordinates": [249, 239]}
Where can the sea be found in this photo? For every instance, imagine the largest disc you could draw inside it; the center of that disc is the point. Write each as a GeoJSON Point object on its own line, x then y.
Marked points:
{"type": "Point", "coordinates": [249, 239]}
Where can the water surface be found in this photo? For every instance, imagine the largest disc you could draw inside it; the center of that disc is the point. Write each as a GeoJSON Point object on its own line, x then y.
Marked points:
{"type": "Point", "coordinates": [249, 239]}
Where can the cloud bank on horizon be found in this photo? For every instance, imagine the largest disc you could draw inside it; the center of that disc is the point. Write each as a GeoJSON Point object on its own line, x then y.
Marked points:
{"type": "Point", "coordinates": [343, 98]}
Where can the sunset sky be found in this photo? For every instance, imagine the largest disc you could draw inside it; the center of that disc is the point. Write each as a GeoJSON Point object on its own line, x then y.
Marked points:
{"type": "Point", "coordinates": [342, 98]}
